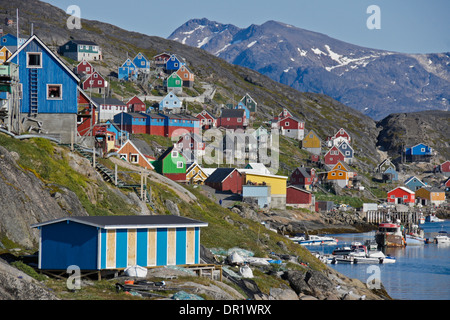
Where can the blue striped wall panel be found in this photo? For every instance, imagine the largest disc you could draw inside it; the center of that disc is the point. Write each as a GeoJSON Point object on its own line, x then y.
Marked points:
{"type": "Point", "coordinates": [161, 247]}
{"type": "Point", "coordinates": [103, 249]}
{"type": "Point", "coordinates": [142, 250]}
{"type": "Point", "coordinates": [121, 248]}
{"type": "Point", "coordinates": [181, 246]}
{"type": "Point", "coordinates": [197, 245]}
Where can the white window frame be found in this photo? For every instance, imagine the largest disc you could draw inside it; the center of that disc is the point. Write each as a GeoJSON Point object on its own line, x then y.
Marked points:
{"type": "Point", "coordinates": [28, 60]}
{"type": "Point", "coordinates": [180, 165]}
{"type": "Point", "coordinates": [132, 156]}
{"type": "Point", "coordinates": [174, 154]}
{"type": "Point", "coordinates": [60, 90]}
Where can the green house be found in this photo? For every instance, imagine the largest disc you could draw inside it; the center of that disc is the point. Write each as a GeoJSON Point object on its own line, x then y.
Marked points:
{"type": "Point", "coordinates": [171, 164]}
{"type": "Point", "coordinates": [174, 83]}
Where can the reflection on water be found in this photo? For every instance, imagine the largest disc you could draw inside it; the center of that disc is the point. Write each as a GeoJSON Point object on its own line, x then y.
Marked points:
{"type": "Point", "coordinates": [420, 273]}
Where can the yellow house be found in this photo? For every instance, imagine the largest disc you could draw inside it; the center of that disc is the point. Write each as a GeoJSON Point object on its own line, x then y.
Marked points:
{"type": "Point", "coordinates": [430, 195]}
{"type": "Point", "coordinates": [4, 54]}
{"type": "Point", "coordinates": [312, 143]}
{"type": "Point", "coordinates": [277, 185]}
{"type": "Point", "coordinates": [195, 174]}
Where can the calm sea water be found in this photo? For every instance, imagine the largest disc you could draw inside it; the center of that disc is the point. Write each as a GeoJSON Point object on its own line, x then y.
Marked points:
{"type": "Point", "coordinates": [420, 273]}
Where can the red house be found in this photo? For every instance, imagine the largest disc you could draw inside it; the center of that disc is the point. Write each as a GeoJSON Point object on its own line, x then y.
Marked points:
{"type": "Point", "coordinates": [289, 125]}
{"type": "Point", "coordinates": [447, 184]}
{"type": "Point", "coordinates": [207, 121]}
{"type": "Point", "coordinates": [333, 156]}
{"type": "Point", "coordinates": [84, 67]}
{"type": "Point", "coordinates": [136, 105]}
{"type": "Point", "coordinates": [225, 179]}
{"type": "Point", "coordinates": [161, 59]}
{"type": "Point", "coordinates": [304, 177]}
{"type": "Point", "coordinates": [297, 197]}
{"type": "Point", "coordinates": [444, 168]}
{"type": "Point", "coordinates": [232, 119]}
{"type": "Point", "coordinates": [86, 116]}
{"type": "Point", "coordinates": [95, 81]}
{"type": "Point", "coordinates": [401, 195]}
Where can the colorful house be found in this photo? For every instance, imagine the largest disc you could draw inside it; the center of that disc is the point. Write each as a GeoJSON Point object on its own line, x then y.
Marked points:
{"type": "Point", "coordinates": [232, 119]}
{"type": "Point", "coordinates": [289, 125]}
{"type": "Point", "coordinates": [195, 174]}
{"type": "Point", "coordinates": [130, 153]}
{"type": "Point", "coordinates": [346, 149]}
{"type": "Point", "coordinates": [117, 242]}
{"type": "Point", "coordinates": [250, 103]}
{"type": "Point", "coordinates": [401, 195]}
{"type": "Point", "coordinates": [120, 135]}
{"type": "Point", "coordinates": [84, 67]}
{"type": "Point", "coordinates": [390, 174]}
{"type": "Point", "coordinates": [127, 71]}
{"type": "Point", "coordinates": [81, 50]}
{"type": "Point", "coordinates": [171, 164]}
{"type": "Point", "coordinates": [277, 186]}
{"type": "Point", "coordinates": [49, 90]}
{"type": "Point", "coordinates": [340, 174]}
{"type": "Point", "coordinates": [413, 183]}
{"type": "Point", "coordinates": [240, 105]}
{"type": "Point", "coordinates": [176, 125]}
{"type": "Point", "coordinates": [174, 83]}
{"type": "Point", "coordinates": [192, 146]}
{"type": "Point", "coordinates": [87, 114]}
{"type": "Point", "coordinates": [312, 143]}
{"type": "Point", "coordinates": [161, 59]}
{"type": "Point", "coordinates": [430, 196]}
{"type": "Point", "coordinates": [109, 107]}
{"type": "Point", "coordinates": [173, 63]}
{"type": "Point", "coordinates": [142, 63]}
{"type": "Point", "coordinates": [10, 41]}
{"type": "Point", "coordinates": [207, 121]}
{"type": "Point", "coordinates": [384, 165]}
{"type": "Point", "coordinates": [225, 179]}
{"type": "Point", "coordinates": [340, 136]}
{"type": "Point", "coordinates": [95, 82]}
{"type": "Point", "coordinates": [299, 198]}
{"type": "Point", "coordinates": [171, 102]}
{"type": "Point", "coordinates": [304, 177]}
{"type": "Point", "coordinates": [333, 156]}
{"type": "Point", "coordinates": [136, 105]}
{"type": "Point", "coordinates": [447, 184]}
{"type": "Point", "coordinates": [5, 53]}
{"type": "Point", "coordinates": [444, 168]}
{"type": "Point", "coordinates": [186, 75]}
{"type": "Point", "coordinates": [418, 153]}
{"type": "Point", "coordinates": [133, 122]}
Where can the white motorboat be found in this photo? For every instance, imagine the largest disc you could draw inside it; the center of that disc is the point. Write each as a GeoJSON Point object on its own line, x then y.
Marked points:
{"type": "Point", "coordinates": [442, 238]}
{"type": "Point", "coordinates": [313, 240]}
{"type": "Point", "coordinates": [432, 218]}
{"type": "Point", "coordinates": [360, 255]}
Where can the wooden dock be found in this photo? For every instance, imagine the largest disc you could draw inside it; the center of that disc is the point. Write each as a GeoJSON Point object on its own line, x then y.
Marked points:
{"type": "Point", "coordinates": [405, 217]}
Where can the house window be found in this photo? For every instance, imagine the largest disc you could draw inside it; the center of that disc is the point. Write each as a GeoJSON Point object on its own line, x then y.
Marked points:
{"type": "Point", "coordinates": [239, 120]}
{"type": "Point", "coordinates": [286, 123]}
{"type": "Point", "coordinates": [88, 69]}
{"type": "Point", "coordinates": [34, 60]}
{"type": "Point", "coordinates": [347, 153]}
{"type": "Point", "coordinates": [405, 197]}
{"type": "Point", "coordinates": [54, 91]}
{"type": "Point", "coordinates": [392, 197]}
{"type": "Point", "coordinates": [333, 174]}
{"type": "Point", "coordinates": [175, 64]}
{"type": "Point", "coordinates": [179, 164]}
{"type": "Point", "coordinates": [99, 81]}
{"type": "Point", "coordinates": [341, 174]}
{"type": "Point", "coordinates": [422, 150]}
{"type": "Point", "coordinates": [174, 154]}
{"type": "Point", "coordinates": [134, 158]}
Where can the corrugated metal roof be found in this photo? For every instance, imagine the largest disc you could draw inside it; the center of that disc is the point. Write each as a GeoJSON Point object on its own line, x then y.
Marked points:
{"type": "Point", "coordinates": [128, 222]}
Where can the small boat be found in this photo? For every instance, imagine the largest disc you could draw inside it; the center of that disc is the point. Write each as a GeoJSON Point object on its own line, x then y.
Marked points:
{"type": "Point", "coordinates": [389, 235]}
{"type": "Point", "coordinates": [442, 238]}
{"type": "Point", "coordinates": [313, 240]}
{"type": "Point", "coordinates": [360, 255]}
{"type": "Point", "coordinates": [432, 218]}
{"type": "Point", "coordinates": [415, 237]}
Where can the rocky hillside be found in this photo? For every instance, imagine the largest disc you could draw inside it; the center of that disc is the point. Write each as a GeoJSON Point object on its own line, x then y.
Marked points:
{"type": "Point", "coordinates": [400, 130]}
{"type": "Point", "coordinates": [375, 82]}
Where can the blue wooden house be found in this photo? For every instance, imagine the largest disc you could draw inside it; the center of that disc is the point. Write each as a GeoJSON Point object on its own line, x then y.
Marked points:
{"type": "Point", "coordinates": [390, 174]}
{"type": "Point", "coordinates": [142, 63]}
{"type": "Point", "coordinates": [127, 71]}
{"type": "Point", "coordinates": [171, 102]}
{"type": "Point", "coordinates": [347, 151]}
{"type": "Point", "coordinates": [241, 105]}
{"type": "Point", "coordinates": [119, 134]}
{"type": "Point", "coordinates": [117, 242]}
{"type": "Point", "coordinates": [413, 183]}
{"type": "Point", "coordinates": [173, 63]}
{"type": "Point", "coordinates": [10, 41]}
{"type": "Point", "coordinates": [420, 152]}
{"type": "Point", "coordinates": [49, 90]}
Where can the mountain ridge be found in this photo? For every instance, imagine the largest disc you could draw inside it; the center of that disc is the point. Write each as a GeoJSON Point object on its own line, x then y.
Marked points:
{"type": "Point", "coordinates": [373, 81]}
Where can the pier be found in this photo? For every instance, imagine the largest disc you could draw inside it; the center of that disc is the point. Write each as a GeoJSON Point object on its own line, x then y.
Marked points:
{"type": "Point", "coordinates": [405, 217]}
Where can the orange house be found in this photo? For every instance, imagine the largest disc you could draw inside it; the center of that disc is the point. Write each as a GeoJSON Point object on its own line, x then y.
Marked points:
{"type": "Point", "coordinates": [427, 195]}
{"type": "Point", "coordinates": [340, 174]}
{"type": "Point", "coordinates": [130, 153]}
{"type": "Point", "coordinates": [186, 76]}
{"type": "Point", "coordinates": [4, 54]}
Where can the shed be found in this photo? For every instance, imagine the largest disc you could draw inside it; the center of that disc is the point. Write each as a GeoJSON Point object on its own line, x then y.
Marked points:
{"type": "Point", "coordinates": [225, 179]}
{"type": "Point", "coordinates": [298, 197]}
{"type": "Point", "coordinates": [116, 242]}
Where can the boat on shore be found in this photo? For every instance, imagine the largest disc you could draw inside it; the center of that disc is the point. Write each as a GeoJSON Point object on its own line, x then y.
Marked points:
{"type": "Point", "coordinates": [390, 235]}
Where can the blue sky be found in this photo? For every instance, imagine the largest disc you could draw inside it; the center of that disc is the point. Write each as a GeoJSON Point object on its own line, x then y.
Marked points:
{"type": "Point", "coordinates": [410, 26]}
